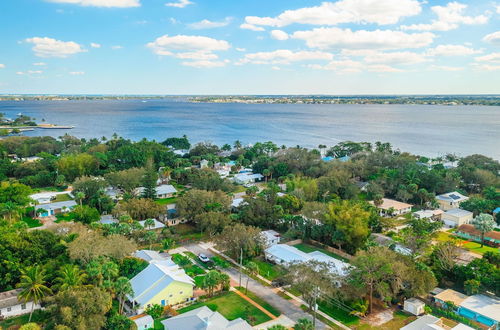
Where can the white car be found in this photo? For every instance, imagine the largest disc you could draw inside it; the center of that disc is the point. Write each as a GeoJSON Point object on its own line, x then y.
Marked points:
{"type": "Point", "coordinates": [203, 257]}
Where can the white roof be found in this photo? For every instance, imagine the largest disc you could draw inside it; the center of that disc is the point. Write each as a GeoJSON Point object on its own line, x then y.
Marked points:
{"type": "Point", "coordinates": [290, 254]}
{"type": "Point", "coordinates": [165, 189]}
{"type": "Point", "coordinates": [415, 301]}
{"type": "Point", "coordinates": [248, 176]}
{"type": "Point", "coordinates": [47, 195]}
{"type": "Point", "coordinates": [462, 326]}
{"type": "Point", "coordinates": [270, 234]}
{"type": "Point", "coordinates": [453, 196]}
{"type": "Point", "coordinates": [237, 202]}
{"type": "Point", "coordinates": [143, 321]}
{"type": "Point", "coordinates": [204, 318]}
{"type": "Point", "coordinates": [484, 305]}
{"type": "Point", "coordinates": [57, 205]}
{"type": "Point", "coordinates": [108, 219]}
{"type": "Point", "coordinates": [427, 213]}
{"type": "Point", "coordinates": [157, 224]}
{"type": "Point", "coordinates": [150, 255]}
{"type": "Point", "coordinates": [423, 323]}
{"type": "Point", "coordinates": [458, 213]}
{"type": "Point", "coordinates": [156, 277]}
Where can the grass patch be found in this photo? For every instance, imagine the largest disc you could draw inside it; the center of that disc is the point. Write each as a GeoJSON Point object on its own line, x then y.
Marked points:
{"type": "Point", "coordinates": [219, 262]}
{"type": "Point", "coordinates": [198, 280]}
{"type": "Point", "coordinates": [39, 317]}
{"type": "Point", "coordinates": [310, 248]}
{"type": "Point", "coordinates": [284, 295]}
{"type": "Point", "coordinates": [268, 270]}
{"type": "Point", "coordinates": [400, 320]}
{"type": "Point", "coordinates": [193, 270]}
{"type": "Point", "coordinates": [463, 243]}
{"type": "Point", "coordinates": [64, 217]}
{"type": "Point", "coordinates": [166, 201]}
{"type": "Point", "coordinates": [232, 306]}
{"type": "Point", "coordinates": [158, 325]}
{"type": "Point", "coordinates": [260, 301]}
{"type": "Point", "coordinates": [337, 313]}
{"type": "Point", "coordinates": [62, 198]}
{"type": "Point", "coordinates": [32, 223]}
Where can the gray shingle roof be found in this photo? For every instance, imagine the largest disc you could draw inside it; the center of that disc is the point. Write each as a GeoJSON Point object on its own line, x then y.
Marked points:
{"type": "Point", "coordinates": [204, 319]}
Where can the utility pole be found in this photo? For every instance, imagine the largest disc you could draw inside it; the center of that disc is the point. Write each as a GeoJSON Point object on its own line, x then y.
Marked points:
{"type": "Point", "coordinates": [315, 295]}
{"type": "Point", "coordinates": [241, 263]}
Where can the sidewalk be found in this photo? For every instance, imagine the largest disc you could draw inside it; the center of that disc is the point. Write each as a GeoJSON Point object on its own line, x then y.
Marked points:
{"type": "Point", "coordinates": [242, 295]}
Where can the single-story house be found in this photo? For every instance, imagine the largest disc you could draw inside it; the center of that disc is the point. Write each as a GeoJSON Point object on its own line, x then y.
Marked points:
{"type": "Point", "coordinates": [391, 207]}
{"type": "Point", "coordinates": [204, 318]}
{"type": "Point", "coordinates": [450, 200]}
{"type": "Point", "coordinates": [237, 202]}
{"type": "Point", "coordinates": [429, 214]}
{"type": "Point", "coordinates": [151, 256]}
{"type": "Point", "coordinates": [10, 305]}
{"type": "Point", "coordinates": [431, 322]}
{"type": "Point", "coordinates": [271, 237]}
{"type": "Point", "coordinates": [165, 191]}
{"type": "Point", "coordinates": [449, 295]}
{"type": "Point", "coordinates": [47, 196]}
{"type": "Point", "coordinates": [163, 283]}
{"type": "Point", "coordinates": [52, 209]}
{"type": "Point", "coordinates": [384, 240]}
{"type": "Point", "coordinates": [143, 321]}
{"type": "Point", "coordinates": [471, 233]}
{"type": "Point", "coordinates": [482, 309]}
{"type": "Point", "coordinates": [246, 178]}
{"type": "Point", "coordinates": [362, 185]}
{"type": "Point", "coordinates": [157, 224]}
{"type": "Point", "coordinates": [113, 193]}
{"type": "Point", "coordinates": [283, 254]}
{"type": "Point", "coordinates": [456, 217]}
{"type": "Point", "coordinates": [414, 306]}
{"type": "Point", "coordinates": [108, 219]}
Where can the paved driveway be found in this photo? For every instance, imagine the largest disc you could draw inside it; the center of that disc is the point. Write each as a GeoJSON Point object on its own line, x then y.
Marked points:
{"type": "Point", "coordinates": [284, 306]}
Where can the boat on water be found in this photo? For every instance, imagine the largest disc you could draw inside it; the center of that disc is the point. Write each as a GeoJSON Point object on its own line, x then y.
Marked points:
{"type": "Point", "coordinates": [50, 126]}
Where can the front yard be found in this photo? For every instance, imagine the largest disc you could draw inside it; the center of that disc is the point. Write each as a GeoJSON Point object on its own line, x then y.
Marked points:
{"type": "Point", "coordinates": [231, 306]}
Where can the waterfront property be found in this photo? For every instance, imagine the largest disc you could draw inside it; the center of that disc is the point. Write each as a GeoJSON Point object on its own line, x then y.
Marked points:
{"type": "Point", "coordinates": [469, 232]}
{"type": "Point", "coordinates": [10, 305]}
{"type": "Point", "coordinates": [162, 282]}
{"type": "Point", "coordinates": [204, 318]}
{"type": "Point", "coordinates": [51, 209]}
{"type": "Point", "coordinates": [283, 254]}
{"type": "Point", "coordinates": [391, 207]}
{"type": "Point", "coordinates": [451, 200]}
{"type": "Point", "coordinates": [456, 217]}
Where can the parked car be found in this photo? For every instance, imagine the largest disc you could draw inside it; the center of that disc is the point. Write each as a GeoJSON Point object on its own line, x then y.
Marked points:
{"type": "Point", "coordinates": [203, 258]}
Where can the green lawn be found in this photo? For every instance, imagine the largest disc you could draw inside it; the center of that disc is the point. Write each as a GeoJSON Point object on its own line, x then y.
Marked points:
{"type": "Point", "coordinates": [62, 198]}
{"type": "Point", "coordinates": [310, 248]}
{"type": "Point", "coordinates": [270, 308]}
{"type": "Point", "coordinates": [166, 201]}
{"type": "Point", "coordinates": [64, 217]}
{"type": "Point", "coordinates": [338, 314]}
{"type": "Point", "coordinates": [232, 306]}
{"type": "Point", "coordinates": [32, 223]}
{"type": "Point", "coordinates": [468, 245]}
{"type": "Point", "coordinates": [219, 262]}
{"type": "Point", "coordinates": [193, 270]}
{"type": "Point", "coordinates": [158, 325]}
{"type": "Point", "coordinates": [198, 280]}
{"type": "Point", "coordinates": [267, 270]}
{"type": "Point", "coordinates": [39, 317]}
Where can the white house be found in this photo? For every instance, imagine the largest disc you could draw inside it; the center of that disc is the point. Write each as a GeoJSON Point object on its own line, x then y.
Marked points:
{"type": "Point", "coordinates": [456, 217]}
{"type": "Point", "coordinates": [143, 321]}
{"type": "Point", "coordinates": [204, 318]}
{"type": "Point", "coordinates": [391, 207]}
{"type": "Point", "coordinates": [151, 256]}
{"type": "Point", "coordinates": [428, 214]}
{"type": "Point", "coordinates": [157, 224]}
{"type": "Point", "coordinates": [46, 196]}
{"type": "Point", "coordinates": [270, 237]}
{"type": "Point", "coordinates": [414, 306]}
{"type": "Point", "coordinates": [451, 200]}
{"type": "Point", "coordinates": [10, 305]}
{"type": "Point", "coordinates": [430, 322]}
{"type": "Point", "coordinates": [52, 209]}
{"type": "Point", "coordinates": [162, 191]}
{"type": "Point", "coordinates": [246, 178]}
{"type": "Point", "coordinates": [283, 254]}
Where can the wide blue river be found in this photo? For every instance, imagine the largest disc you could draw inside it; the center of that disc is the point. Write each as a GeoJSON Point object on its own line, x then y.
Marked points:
{"type": "Point", "coordinates": [421, 129]}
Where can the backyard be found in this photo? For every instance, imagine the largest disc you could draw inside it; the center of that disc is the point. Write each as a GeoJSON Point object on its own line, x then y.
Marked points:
{"type": "Point", "coordinates": [231, 306]}
{"type": "Point", "coordinates": [307, 248]}
{"type": "Point", "coordinates": [444, 236]}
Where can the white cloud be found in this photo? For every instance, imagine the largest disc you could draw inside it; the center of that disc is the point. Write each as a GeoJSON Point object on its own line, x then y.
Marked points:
{"type": "Point", "coordinates": [493, 57]}
{"type": "Point", "coordinates": [382, 68]}
{"type": "Point", "coordinates": [39, 64]}
{"type": "Point", "coordinates": [493, 38]}
{"type": "Point", "coordinates": [395, 58]}
{"type": "Point", "coordinates": [498, 9]}
{"type": "Point", "coordinates": [486, 67]}
{"type": "Point", "coordinates": [363, 39]}
{"type": "Point", "coordinates": [205, 64]}
{"type": "Point", "coordinates": [102, 3]}
{"type": "Point", "coordinates": [48, 47]}
{"type": "Point", "coordinates": [94, 45]}
{"type": "Point", "coordinates": [179, 4]}
{"type": "Point", "coordinates": [200, 55]}
{"type": "Point", "coordinates": [350, 66]}
{"type": "Point", "coordinates": [206, 24]}
{"type": "Point", "coordinates": [445, 68]}
{"type": "Point", "coordinates": [241, 49]}
{"type": "Point", "coordinates": [284, 56]}
{"type": "Point", "coordinates": [2, 66]}
{"type": "Point", "coordinates": [30, 72]}
{"type": "Point", "coordinates": [20, 73]}
{"type": "Point", "coordinates": [276, 68]}
{"type": "Point", "coordinates": [116, 47]}
{"type": "Point", "coordinates": [252, 27]}
{"type": "Point", "coordinates": [449, 18]}
{"type": "Point", "coordinates": [77, 73]}
{"type": "Point", "coordinates": [452, 50]}
{"type": "Point", "coordinates": [279, 35]}
{"type": "Point", "coordinates": [380, 12]}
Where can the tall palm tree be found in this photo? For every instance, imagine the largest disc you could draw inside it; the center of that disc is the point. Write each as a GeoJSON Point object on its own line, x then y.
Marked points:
{"type": "Point", "coordinates": [80, 196]}
{"type": "Point", "coordinates": [122, 288]}
{"type": "Point", "coordinates": [252, 269]}
{"type": "Point", "coordinates": [10, 211]}
{"type": "Point", "coordinates": [70, 277]}
{"type": "Point", "coordinates": [149, 223]}
{"type": "Point", "coordinates": [33, 286]}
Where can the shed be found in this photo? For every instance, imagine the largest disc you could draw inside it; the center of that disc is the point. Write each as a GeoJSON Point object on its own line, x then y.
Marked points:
{"type": "Point", "coordinates": [143, 321]}
{"type": "Point", "coordinates": [414, 306]}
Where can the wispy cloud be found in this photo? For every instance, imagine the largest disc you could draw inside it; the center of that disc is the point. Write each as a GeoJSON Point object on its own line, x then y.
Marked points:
{"type": "Point", "coordinates": [207, 24]}
{"type": "Point", "coordinates": [179, 4]}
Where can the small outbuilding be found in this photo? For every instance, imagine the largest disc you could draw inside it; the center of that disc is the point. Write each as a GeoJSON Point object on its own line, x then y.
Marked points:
{"type": "Point", "coordinates": [414, 306]}
{"type": "Point", "coordinates": [143, 321]}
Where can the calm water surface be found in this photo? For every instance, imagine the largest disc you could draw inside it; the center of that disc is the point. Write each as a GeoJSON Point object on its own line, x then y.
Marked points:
{"type": "Point", "coordinates": [420, 129]}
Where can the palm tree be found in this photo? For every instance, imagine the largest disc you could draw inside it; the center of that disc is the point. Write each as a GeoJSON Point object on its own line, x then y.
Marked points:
{"type": "Point", "coordinates": [70, 277]}
{"type": "Point", "coordinates": [80, 196]}
{"type": "Point", "coordinates": [149, 223]}
{"type": "Point", "coordinates": [10, 211]}
{"type": "Point", "coordinates": [237, 144]}
{"type": "Point", "coordinates": [484, 223]}
{"type": "Point", "coordinates": [122, 288]}
{"type": "Point", "coordinates": [252, 269]}
{"type": "Point", "coordinates": [33, 286]}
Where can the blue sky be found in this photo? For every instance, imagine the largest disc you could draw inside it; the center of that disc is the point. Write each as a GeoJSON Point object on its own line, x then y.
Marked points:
{"type": "Point", "coordinates": [250, 47]}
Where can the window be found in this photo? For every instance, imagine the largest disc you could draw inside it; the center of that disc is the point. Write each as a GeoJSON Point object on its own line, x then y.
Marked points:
{"type": "Point", "coordinates": [163, 302]}
{"type": "Point", "coordinates": [181, 292]}
{"type": "Point", "coordinates": [171, 295]}
{"type": "Point", "coordinates": [23, 306]}
{"type": "Point", "coordinates": [9, 309]}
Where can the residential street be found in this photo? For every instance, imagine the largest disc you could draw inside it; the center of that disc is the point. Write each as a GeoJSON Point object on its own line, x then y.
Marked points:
{"type": "Point", "coordinates": [286, 307]}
